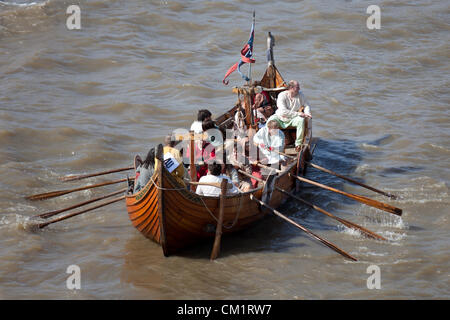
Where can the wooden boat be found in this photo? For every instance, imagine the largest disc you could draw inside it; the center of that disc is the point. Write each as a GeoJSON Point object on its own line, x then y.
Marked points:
{"type": "Point", "coordinates": [175, 217]}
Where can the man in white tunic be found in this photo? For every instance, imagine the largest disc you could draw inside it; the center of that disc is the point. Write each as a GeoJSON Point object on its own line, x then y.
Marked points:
{"type": "Point", "coordinates": [270, 141]}
{"type": "Point", "coordinates": [214, 175]}
{"type": "Point", "coordinates": [292, 110]}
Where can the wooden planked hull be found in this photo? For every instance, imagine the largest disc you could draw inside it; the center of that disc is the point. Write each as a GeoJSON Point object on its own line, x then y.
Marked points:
{"type": "Point", "coordinates": [188, 218]}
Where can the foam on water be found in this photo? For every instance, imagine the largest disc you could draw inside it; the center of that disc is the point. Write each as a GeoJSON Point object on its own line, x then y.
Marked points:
{"type": "Point", "coordinates": [18, 222]}
{"type": "Point", "coordinates": [364, 168]}
{"type": "Point", "coordinates": [31, 4]}
{"type": "Point", "coordinates": [393, 236]}
{"type": "Point", "coordinates": [350, 231]}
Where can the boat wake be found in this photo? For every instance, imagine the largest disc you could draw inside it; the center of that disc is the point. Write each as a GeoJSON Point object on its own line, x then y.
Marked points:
{"type": "Point", "coordinates": [19, 222]}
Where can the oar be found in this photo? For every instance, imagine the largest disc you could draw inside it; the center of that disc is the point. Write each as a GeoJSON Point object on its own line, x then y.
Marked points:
{"type": "Point", "coordinates": [193, 169]}
{"type": "Point", "coordinates": [351, 180]}
{"type": "Point", "coordinates": [325, 242]}
{"type": "Point", "coordinates": [370, 202]}
{"type": "Point", "coordinates": [44, 224]}
{"type": "Point", "coordinates": [216, 247]}
{"type": "Point", "coordinates": [58, 193]}
{"type": "Point", "coordinates": [84, 176]}
{"type": "Point", "coordinates": [211, 184]}
{"type": "Point", "coordinates": [52, 213]}
{"type": "Point", "coordinates": [343, 177]}
{"type": "Point", "coordinates": [343, 221]}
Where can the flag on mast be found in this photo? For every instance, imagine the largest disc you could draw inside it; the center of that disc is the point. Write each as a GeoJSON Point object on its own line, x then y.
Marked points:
{"type": "Point", "coordinates": [246, 57]}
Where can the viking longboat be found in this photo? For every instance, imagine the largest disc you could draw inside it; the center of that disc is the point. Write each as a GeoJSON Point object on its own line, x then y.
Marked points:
{"type": "Point", "coordinates": [172, 215]}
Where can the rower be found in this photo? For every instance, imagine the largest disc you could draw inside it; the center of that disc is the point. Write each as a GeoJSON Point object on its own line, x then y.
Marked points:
{"type": "Point", "coordinates": [270, 141]}
{"type": "Point", "coordinates": [263, 108]}
{"type": "Point", "coordinates": [145, 170]}
{"type": "Point", "coordinates": [202, 115]}
{"type": "Point", "coordinates": [173, 160]}
{"type": "Point", "coordinates": [214, 176]}
{"type": "Point", "coordinates": [249, 165]}
{"type": "Point", "coordinates": [204, 150]}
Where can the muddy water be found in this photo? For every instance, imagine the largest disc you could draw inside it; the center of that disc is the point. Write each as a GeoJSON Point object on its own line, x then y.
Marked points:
{"type": "Point", "coordinates": [80, 101]}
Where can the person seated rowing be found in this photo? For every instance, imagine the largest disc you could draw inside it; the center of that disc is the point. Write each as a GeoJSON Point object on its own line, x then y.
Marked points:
{"type": "Point", "coordinates": [245, 160]}
{"type": "Point", "coordinates": [214, 176]}
{"type": "Point", "coordinates": [250, 166]}
{"type": "Point", "coordinates": [173, 160]}
{"type": "Point", "coordinates": [239, 126]}
{"type": "Point", "coordinates": [145, 170]}
{"type": "Point", "coordinates": [292, 109]}
{"type": "Point", "coordinates": [263, 108]}
{"type": "Point", "coordinates": [202, 115]}
{"type": "Point", "coordinates": [270, 142]}
{"type": "Point", "coordinates": [231, 172]}
{"type": "Point", "coordinates": [204, 150]}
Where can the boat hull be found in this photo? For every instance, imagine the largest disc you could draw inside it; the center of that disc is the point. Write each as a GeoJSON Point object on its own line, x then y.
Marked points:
{"type": "Point", "coordinates": [176, 217]}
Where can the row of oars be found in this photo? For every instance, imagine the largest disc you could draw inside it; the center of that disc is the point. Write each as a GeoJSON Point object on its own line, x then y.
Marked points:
{"type": "Point", "coordinates": [362, 199]}
{"type": "Point", "coordinates": [53, 194]}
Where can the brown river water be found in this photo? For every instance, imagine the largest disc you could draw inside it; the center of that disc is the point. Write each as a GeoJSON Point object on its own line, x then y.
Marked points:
{"type": "Point", "coordinates": [82, 101]}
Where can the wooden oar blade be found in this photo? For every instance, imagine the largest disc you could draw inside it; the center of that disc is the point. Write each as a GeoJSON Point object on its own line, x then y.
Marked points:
{"type": "Point", "coordinates": [47, 195]}
{"type": "Point", "coordinates": [84, 176]}
{"type": "Point", "coordinates": [365, 231]}
{"type": "Point", "coordinates": [377, 204]}
{"type": "Point", "coordinates": [55, 212]}
{"type": "Point", "coordinates": [370, 202]}
{"type": "Point", "coordinates": [326, 242]}
{"type": "Point", "coordinates": [335, 248]}
{"type": "Point", "coordinates": [347, 223]}
{"type": "Point", "coordinates": [351, 180]}
{"type": "Point", "coordinates": [58, 193]}
{"type": "Point", "coordinates": [44, 224]}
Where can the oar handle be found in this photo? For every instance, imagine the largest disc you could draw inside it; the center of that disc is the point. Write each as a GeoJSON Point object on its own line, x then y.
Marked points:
{"type": "Point", "coordinates": [269, 168]}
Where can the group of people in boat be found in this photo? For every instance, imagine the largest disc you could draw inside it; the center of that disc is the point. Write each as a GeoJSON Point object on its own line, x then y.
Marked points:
{"type": "Point", "coordinates": [290, 110]}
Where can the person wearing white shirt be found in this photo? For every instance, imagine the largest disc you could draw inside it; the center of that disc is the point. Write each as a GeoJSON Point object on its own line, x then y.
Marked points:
{"type": "Point", "coordinates": [202, 115]}
{"type": "Point", "coordinates": [214, 176]}
{"type": "Point", "coordinates": [292, 109]}
{"type": "Point", "coordinates": [270, 141]}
